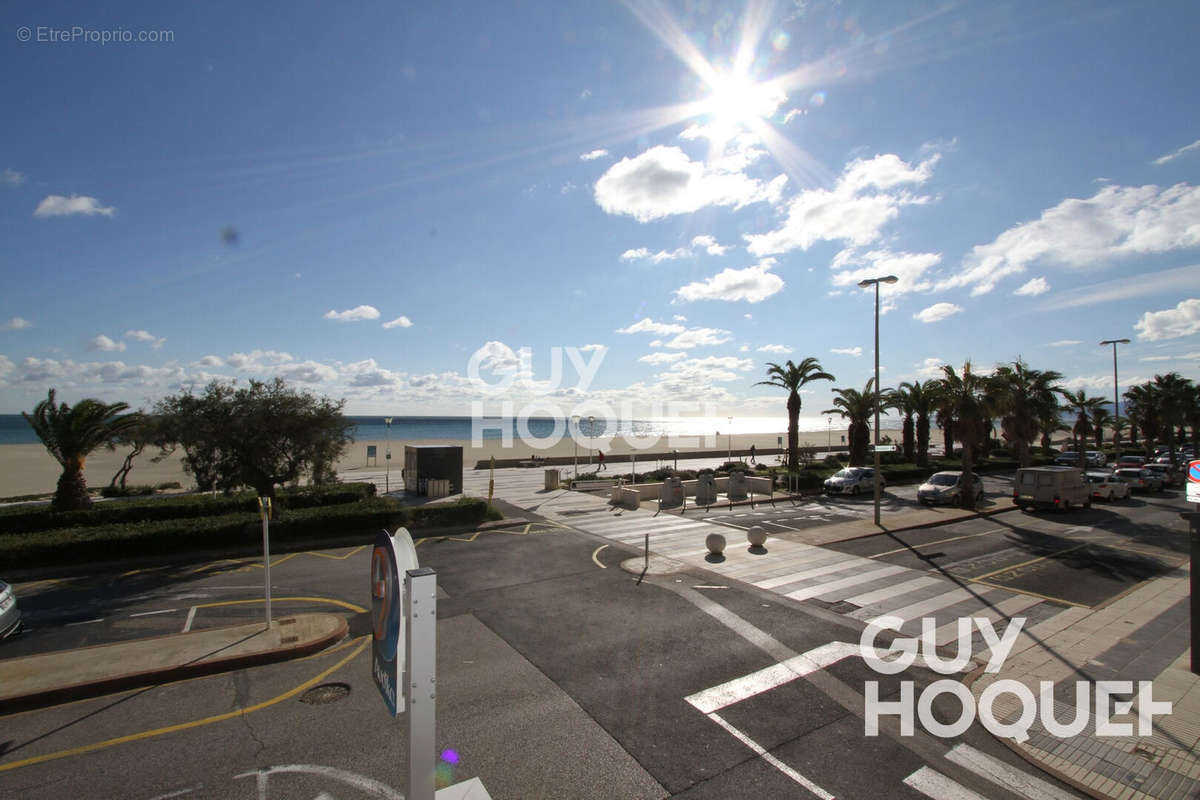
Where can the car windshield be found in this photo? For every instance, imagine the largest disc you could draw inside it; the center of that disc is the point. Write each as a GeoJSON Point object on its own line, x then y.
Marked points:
{"type": "Point", "coordinates": [944, 480]}
{"type": "Point", "coordinates": [848, 473]}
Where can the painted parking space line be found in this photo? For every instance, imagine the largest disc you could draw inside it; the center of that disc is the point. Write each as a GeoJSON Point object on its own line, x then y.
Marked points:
{"type": "Point", "coordinates": [770, 759]}
{"type": "Point", "coordinates": [152, 613]}
{"type": "Point", "coordinates": [936, 542]}
{"type": "Point", "coordinates": [83, 622]}
{"type": "Point", "coordinates": [191, 617]}
{"type": "Point", "coordinates": [747, 686]}
{"type": "Point", "coordinates": [934, 784]}
{"type": "Point", "coordinates": [1012, 567]}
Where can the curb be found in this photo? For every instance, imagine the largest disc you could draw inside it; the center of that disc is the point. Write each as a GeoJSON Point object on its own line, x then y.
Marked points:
{"type": "Point", "coordinates": [136, 680]}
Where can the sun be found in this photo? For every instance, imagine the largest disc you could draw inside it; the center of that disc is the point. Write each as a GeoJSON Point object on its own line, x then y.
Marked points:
{"type": "Point", "coordinates": [737, 101]}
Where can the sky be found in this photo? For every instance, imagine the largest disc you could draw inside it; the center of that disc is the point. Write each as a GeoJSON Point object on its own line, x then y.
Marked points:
{"type": "Point", "coordinates": [574, 206]}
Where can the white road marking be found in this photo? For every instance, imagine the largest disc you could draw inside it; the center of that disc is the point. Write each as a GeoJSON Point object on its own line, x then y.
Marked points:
{"type": "Point", "coordinates": [187, 626]}
{"type": "Point", "coordinates": [1004, 775]}
{"type": "Point", "coordinates": [596, 553]}
{"type": "Point", "coordinates": [894, 590]}
{"type": "Point", "coordinates": [844, 583]}
{"type": "Point", "coordinates": [707, 586]}
{"type": "Point", "coordinates": [747, 686]}
{"type": "Point", "coordinates": [772, 760]}
{"type": "Point", "coordinates": [83, 622]}
{"type": "Point", "coordinates": [932, 783]}
{"type": "Point", "coordinates": [152, 613]}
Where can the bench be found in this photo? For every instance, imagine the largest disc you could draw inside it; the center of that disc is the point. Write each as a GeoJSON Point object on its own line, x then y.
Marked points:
{"type": "Point", "coordinates": [593, 486]}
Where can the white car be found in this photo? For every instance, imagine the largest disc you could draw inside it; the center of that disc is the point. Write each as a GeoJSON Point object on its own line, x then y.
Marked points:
{"type": "Point", "coordinates": [1106, 486]}
{"type": "Point", "coordinates": [853, 481]}
{"type": "Point", "coordinates": [946, 487]}
{"type": "Point", "coordinates": [10, 615]}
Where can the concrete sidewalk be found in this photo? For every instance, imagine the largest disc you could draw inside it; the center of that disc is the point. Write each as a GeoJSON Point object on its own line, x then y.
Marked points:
{"type": "Point", "coordinates": [56, 677]}
{"type": "Point", "coordinates": [1143, 636]}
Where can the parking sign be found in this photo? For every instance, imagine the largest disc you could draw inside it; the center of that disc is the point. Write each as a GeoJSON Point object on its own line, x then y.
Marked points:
{"type": "Point", "coordinates": [1193, 482]}
{"type": "Point", "coordinates": [391, 558]}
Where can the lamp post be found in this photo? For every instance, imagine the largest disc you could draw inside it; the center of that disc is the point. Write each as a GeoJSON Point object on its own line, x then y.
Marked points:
{"type": "Point", "coordinates": [729, 438]}
{"type": "Point", "coordinates": [829, 436]}
{"type": "Point", "coordinates": [387, 456]}
{"type": "Point", "coordinates": [864, 284]}
{"type": "Point", "coordinates": [591, 435]}
{"type": "Point", "coordinates": [1116, 408]}
{"type": "Point", "coordinates": [575, 438]}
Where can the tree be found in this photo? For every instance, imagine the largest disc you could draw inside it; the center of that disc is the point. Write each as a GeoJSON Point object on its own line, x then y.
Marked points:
{"type": "Point", "coordinates": [260, 436]}
{"type": "Point", "coordinates": [1173, 397]}
{"type": "Point", "coordinates": [70, 434]}
{"type": "Point", "coordinates": [966, 399]}
{"type": "Point", "coordinates": [1141, 408]}
{"type": "Point", "coordinates": [147, 433]}
{"type": "Point", "coordinates": [858, 407]}
{"type": "Point", "coordinates": [923, 399]}
{"type": "Point", "coordinates": [793, 377]}
{"type": "Point", "coordinates": [901, 400]}
{"type": "Point", "coordinates": [1100, 418]}
{"type": "Point", "coordinates": [1024, 398]}
{"type": "Point", "coordinates": [1083, 407]}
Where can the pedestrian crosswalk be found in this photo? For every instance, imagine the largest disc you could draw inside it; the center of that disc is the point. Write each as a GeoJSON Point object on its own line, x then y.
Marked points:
{"type": "Point", "coordinates": [859, 587]}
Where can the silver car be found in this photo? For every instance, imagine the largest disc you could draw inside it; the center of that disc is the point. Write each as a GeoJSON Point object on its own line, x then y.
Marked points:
{"type": "Point", "coordinates": [10, 615]}
{"type": "Point", "coordinates": [946, 487]}
{"type": "Point", "coordinates": [853, 480]}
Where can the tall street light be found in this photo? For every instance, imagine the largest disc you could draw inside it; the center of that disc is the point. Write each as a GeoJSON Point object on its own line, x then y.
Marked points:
{"type": "Point", "coordinates": [864, 284]}
{"type": "Point", "coordinates": [575, 437]}
{"type": "Point", "coordinates": [729, 439]}
{"type": "Point", "coordinates": [1116, 408]}
{"type": "Point", "coordinates": [387, 457]}
{"type": "Point", "coordinates": [591, 436]}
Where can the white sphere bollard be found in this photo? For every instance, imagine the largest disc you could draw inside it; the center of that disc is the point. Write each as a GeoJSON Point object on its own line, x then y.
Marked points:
{"type": "Point", "coordinates": [715, 543]}
{"type": "Point", "coordinates": [756, 536]}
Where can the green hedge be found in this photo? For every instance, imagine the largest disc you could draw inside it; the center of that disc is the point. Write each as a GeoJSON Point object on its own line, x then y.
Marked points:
{"type": "Point", "coordinates": [82, 543]}
{"type": "Point", "coordinates": [21, 519]}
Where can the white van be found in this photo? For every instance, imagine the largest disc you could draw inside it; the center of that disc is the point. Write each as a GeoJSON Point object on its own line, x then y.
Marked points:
{"type": "Point", "coordinates": [1057, 488]}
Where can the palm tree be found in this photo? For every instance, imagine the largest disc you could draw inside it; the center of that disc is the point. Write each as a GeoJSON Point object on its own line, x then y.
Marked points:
{"type": "Point", "coordinates": [1084, 408]}
{"type": "Point", "coordinates": [70, 435]}
{"type": "Point", "coordinates": [923, 399]}
{"type": "Point", "coordinates": [1191, 413]}
{"type": "Point", "coordinates": [1173, 392]}
{"type": "Point", "coordinates": [901, 400]}
{"type": "Point", "coordinates": [793, 377]}
{"type": "Point", "coordinates": [1141, 409]}
{"type": "Point", "coordinates": [1023, 398]}
{"type": "Point", "coordinates": [858, 407]}
{"type": "Point", "coordinates": [1100, 418]}
{"type": "Point", "coordinates": [965, 397]}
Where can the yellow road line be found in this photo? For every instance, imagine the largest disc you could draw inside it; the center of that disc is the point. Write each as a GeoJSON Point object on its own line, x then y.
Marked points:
{"type": "Point", "coordinates": [183, 726]}
{"type": "Point", "coordinates": [1031, 594]}
{"type": "Point", "coordinates": [1011, 567]}
{"type": "Point", "coordinates": [335, 558]}
{"type": "Point", "coordinates": [526, 531]}
{"type": "Point", "coordinates": [332, 601]}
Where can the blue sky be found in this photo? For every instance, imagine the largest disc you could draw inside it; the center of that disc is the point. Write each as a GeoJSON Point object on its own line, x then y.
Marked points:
{"type": "Point", "coordinates": [363, 198]}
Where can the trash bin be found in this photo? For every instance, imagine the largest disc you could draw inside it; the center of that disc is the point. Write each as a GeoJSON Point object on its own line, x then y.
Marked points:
{"type": "Point", "coordinates": [552, 479]}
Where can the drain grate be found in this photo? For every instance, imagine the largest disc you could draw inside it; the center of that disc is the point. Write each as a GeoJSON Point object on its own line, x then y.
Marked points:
{"type": "Point", "coordinates": [325, 694]}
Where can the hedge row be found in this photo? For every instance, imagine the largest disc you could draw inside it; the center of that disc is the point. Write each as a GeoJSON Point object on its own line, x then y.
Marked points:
{"type": "Point", "coordinates": [22, 519]}
{"type": "Point", "coordinates": [156, 537]}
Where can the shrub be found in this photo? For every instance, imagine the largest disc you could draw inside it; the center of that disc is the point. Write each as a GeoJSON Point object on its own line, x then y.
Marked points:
{"type": "Point", "coordinates": [465, 510]}
{"type": "Point", "coordinates": [126, 491]}
{"type": "Point", "coordinates": [169, 485]}
{"type": "Point", "coordinates": [734, 466]}
{"type": "Point", "coordinates": [832, 461]}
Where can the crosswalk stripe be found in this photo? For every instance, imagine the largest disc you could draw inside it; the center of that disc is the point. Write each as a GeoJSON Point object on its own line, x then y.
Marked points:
{"type": "Point", "coordinates": [1000, 773]}
{"type": "Point", "coordinates": [925, 606]}
{"type": "Point", "coordinates": [1005, 608]}
{"type": "Point", "coordinates": [896, 590]}
{"type": "Point", "coordinates": [932, 783]}
{"type": "Point", "coordinates": [815, 572]}
{"type": "Point", "coordinates": [845, 583]}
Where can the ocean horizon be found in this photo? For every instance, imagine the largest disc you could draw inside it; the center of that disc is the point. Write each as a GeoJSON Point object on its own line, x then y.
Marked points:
{"type": "Point", "coordinates": [15, 430]}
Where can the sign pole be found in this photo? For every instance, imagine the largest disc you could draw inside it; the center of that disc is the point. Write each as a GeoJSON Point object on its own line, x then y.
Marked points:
{"type": "Point", "coordinates": [1193, 517]}
{"type": "Point", "coordinates": [420, 592]}
{"type": "Point", "coordinates": [264, 511]}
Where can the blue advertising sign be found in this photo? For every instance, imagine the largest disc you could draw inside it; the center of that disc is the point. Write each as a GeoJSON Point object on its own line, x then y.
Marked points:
{"type": "Point", "coordinates": [391, 558]}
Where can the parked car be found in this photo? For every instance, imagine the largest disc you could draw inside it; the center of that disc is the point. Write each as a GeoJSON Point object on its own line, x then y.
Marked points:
{"type": "Point", "coordinates": [853, 480]}
{"type": "Point", "coordinates": [1057, 488]}
{"type": "Point", "coordinates": [1170, 477]}
{"type": "Point", "coordinates": [10, 614]}
{"type": "Point", "coordinates": [1096, 458]}
{"type": "Point", "coordinates": [1131, 462]}
{"type": "Point", "coordinates": [1106, 486]}
{"type": "Point", "coordinates": [1139, 480]}
{"type": "Point", "coordinates": [1067, 458]}
{"type": "Point", "coordinates": [946, 487]}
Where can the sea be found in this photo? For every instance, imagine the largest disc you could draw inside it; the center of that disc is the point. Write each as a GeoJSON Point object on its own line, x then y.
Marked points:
{"type": "Point", "coordinates": [15, 430]}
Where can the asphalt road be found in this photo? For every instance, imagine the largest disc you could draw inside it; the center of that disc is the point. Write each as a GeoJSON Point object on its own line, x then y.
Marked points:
{"type": "Point", "coordinates": [559, 676]}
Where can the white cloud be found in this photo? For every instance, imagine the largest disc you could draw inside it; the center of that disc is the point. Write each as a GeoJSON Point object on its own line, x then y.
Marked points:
{"type": "Point", "coordinates": [752, 284]}
{"type": "Point", "coordinates": [930, 368]}
{"type": "Point", "coordinates": [706, 243]}
{"type": "Point", "coordinates": [15, 324]}
{"type": "Point", "coordinates": [662, 358]}
{"type": "Point", "coordinates": [647, 325]}
{"type": "Point", "coordinates": [590, 348]}
{"type": "Point", "coordinates": [679, 318]}
{"type": "Point", "coordinates": [747, 316]}
{"type": "Point", "coordinates": [1181, 357]}
{"type": "Point", "coordinates": [105, 344]}
{"type": "Point", "coordinates": [663, 181]}
{"type": "Point", "coordinates": [1117, 222]}
{"type": "Point", "coordinates": [58, 206]}
{"type": "Point", "coordinates": [656, 343]}
{"type": "Point", "coordinates": [259, 360]}
{"type": "Point", "coordinates": [854, 211]}
{"type": "Point", "coordinates": [851, 266]}
{"type": "Point", "coordinates": [210, 362]}
{"type": "Point", "coordinates": [1177, 153]}
{"type": "Point", "coordinates": [1182, 320]}
{"type": "Point", "coordinates": [793, 113]}
{"type": "Point", "coordinates": [1065, 342]}
{"type": "Point", "coordinates": [696, 375]}
{"type": "Point", "coordinates": [593, 155]}
{"type": "Point", "coordinates": [6, 368]}
{"type": "Point", "coordinates": [779, 349]}
{"type": "Point", "coordinates": [10, 177]}
{"type": "Point", "coordinates": [399, 322]}
{"type": "Point", "coordinates": [1173, 281]}
{"type": "Point", "coordinates": [937, 312]}
{"type": "Point", "coordinates": [355, 314]}
{"type": "Point", "coordinates": [497, 356]}
{"type": "Point", "coordinates": [847, 351]}
{"type": "Point", "coordinates": [306, 372]}
{"type": "Point", "coordinates": [145, 336]}
{"type": "Point", "coordinates": [744, 348]}
{"type": "Point", "coordinates": [1033, 288]}
{"type": "Point", "coordinates": [698, 337]}
{"type": "Point", "coordinates": [635, 254]}
{"type": "Point", "coordinates": [709, 244]}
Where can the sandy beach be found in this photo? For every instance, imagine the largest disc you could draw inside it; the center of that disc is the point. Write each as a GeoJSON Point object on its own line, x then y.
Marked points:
{"type": "Point", "coordinates": [29, 469]}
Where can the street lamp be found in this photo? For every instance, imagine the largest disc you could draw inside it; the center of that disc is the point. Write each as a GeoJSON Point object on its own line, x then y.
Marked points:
{"type": "Point", "coordinates": [591, 435]}
{"type": "Point", "coordinates": [575, 438]}
{"type": "Point", "coordinates": [387, 457]}
{"type": "Point", "coordinates": [1116, 408]}
{"type": "Point", "coordinates": [729, 438]}
{"type": "Point", "coordinates": [864, 284]}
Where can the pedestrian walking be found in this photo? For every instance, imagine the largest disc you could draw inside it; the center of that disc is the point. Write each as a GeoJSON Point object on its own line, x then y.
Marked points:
{"type": "Point", "coordinates": [600, 460]}
{"type": "Point", "coordinates": [752, 452]}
